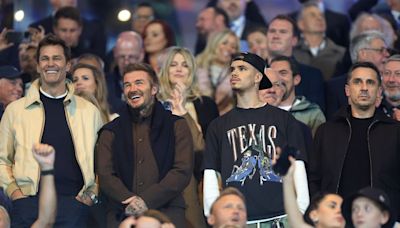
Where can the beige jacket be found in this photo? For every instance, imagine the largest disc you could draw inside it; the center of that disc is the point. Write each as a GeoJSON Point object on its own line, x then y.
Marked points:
{"type": "Point", "coordinates": [22, 125]}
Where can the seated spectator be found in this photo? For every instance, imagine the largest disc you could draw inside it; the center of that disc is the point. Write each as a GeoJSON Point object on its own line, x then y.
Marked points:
{"type": "Point", "coordinates": [232, 199]}
{"type": "Point", "coordinates": [157, 36]}
{"type": "Point", "coordinates": [257, 42]}
{"type": "Point", "coordinates": [213, 69]}
{"type": "Point", "coordinates": [91, 59]}
{"type": "Point", "coordinates": [142, 14]}
{"type": "Point", "coordinates": [210, 20]}
{"type": "Point", "coordinates": [89, 79]}
{"type": "Point", "coordinates": [314, 48]}
{"type": "Point", "coordinates": [11, 87]}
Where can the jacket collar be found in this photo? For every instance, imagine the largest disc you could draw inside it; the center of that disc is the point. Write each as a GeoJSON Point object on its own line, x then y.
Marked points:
{"type": "Point", "coordinates": [345, 113]}
{"type": "Point", "coordinates": [33, 94]}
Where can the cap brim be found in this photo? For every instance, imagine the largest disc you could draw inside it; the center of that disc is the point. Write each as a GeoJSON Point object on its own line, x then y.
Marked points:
{"type": "Point", "coordinates": [265, 83]}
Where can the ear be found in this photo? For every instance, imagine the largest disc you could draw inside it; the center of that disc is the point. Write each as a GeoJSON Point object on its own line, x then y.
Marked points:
{"type": "Point", "coordinates": [314, 215]}
{"type": "Point", "coordinates": [384, 217]}
{"type": "Point", "coordinates": [211, 220]}
{"type": "Point", "coordinates": [300, 24]}
{"type": "Point", "coordinates": [294, 41]}
{"type": "Point", "coordinates": [258, 77]}
{"type": "Point", "coordinates": [297, 79]}
{"type": "Point", "coordinates": [154, 90]}
{"type": "Point", "coordinates": [347, 90]}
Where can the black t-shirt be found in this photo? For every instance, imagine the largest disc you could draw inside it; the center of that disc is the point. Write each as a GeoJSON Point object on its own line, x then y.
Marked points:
{"type": "Point", "coordinates": [356, 172]}
{"type": "Point", "coordinates": [241, 146]}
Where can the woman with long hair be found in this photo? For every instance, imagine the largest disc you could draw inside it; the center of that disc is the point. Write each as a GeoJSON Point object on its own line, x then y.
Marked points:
{"type": "Point", "coordinates": [213, 68]}
{"type": "Point", "coordinates": [180, 93]}
{"type": "Point", "coordinates": [88, 79]}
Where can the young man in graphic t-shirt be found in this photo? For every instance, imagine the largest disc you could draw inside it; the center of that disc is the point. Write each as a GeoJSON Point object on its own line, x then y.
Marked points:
{"type": "Point", "coordinates": [241, 145]}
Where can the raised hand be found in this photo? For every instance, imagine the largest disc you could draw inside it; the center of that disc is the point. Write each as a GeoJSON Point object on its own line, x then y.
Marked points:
{"type": "Point", "coordinates": [178, 100]}
{"type": "Point", "coordinates": [4, 44]}
{"type": "Point", "coordinates": [44, 155]}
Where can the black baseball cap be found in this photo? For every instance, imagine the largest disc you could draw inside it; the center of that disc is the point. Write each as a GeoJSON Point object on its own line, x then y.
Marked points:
{"type": "Point", "coordinates": [9, 72]}
{"type": "Point", "coordinates": [258, 63]}
{"type": "Point", "coordinates": [376, 195]}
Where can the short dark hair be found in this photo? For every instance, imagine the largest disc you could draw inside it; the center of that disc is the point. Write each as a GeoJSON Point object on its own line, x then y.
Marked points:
{"type": "Point", "coordinates": [53, 40]}
{"type": "Point", "coordinates": [260, 29]}
{"type": "Point", "coordinates": [294, 67]}
{"type": "Point", "coordinates": [364, 65]}
{"type": "Point", "coordinates": [229, 191]}
{"type": "Point", "coordinates": [68, 12]}
{"type": "Point", "coordinates": [143, 67]}
{"type": "Point", "coordinates": [314, 204]}
{"type": "Point", "coordinates": [295, 29]}
{"type": "Point", "coordinates": [218, 11]}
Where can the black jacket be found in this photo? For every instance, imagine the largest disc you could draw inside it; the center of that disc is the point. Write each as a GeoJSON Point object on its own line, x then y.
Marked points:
{"type": "Point", "coordinates": [331, 145]}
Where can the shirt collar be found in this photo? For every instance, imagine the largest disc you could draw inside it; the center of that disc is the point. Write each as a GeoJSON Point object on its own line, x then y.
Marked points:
{"type": "Point", "coordinates": [53, 97]}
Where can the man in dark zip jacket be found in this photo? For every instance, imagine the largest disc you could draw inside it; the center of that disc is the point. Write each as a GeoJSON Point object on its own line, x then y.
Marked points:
{"type": "Point", "coordinates": [359, 147]}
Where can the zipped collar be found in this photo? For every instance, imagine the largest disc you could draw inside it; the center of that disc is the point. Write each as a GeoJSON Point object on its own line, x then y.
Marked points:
{"type": "Point", "coordinates": [345, 113]}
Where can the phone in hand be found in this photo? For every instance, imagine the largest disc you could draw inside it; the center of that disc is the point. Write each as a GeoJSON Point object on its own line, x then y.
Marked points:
{"type": "Point", "coordinates": [282, 164]}
{"type": "Point", "coordinates": [16, 37]}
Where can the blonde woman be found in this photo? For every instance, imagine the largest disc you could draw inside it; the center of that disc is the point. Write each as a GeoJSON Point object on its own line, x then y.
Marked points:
{"type": "Point", "coordinates": [180, 93]}
{"type": "Point", "coordinates": [213, 69]}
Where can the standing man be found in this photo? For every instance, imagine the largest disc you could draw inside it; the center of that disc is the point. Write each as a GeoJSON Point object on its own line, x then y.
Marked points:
{"type": "Point", "coordinates": [10, 86]}
{"type": "Point", "coordinates": [144, 158]}
{"type": "Point", "coordinates": [360, 146]}
{"type": "Point", "coordinates": [299, 106]}
{"type": "Point", "coordinates": [50, 113]}
{"type": "Point", "coordinates": [241, 146]}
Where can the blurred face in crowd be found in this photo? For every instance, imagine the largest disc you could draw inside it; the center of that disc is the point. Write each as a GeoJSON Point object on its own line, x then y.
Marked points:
{"type": "Point", "coordinates": [226, 49]}
{"type": "Point", "coordinates": [52, 66]}
{"type": "Point", "coordinates": [57, 4]}
{"type": "Point", "coordinates": [363, 89]}
{"type": "Point", "coordinates": [365, 213]}
{"type": "Point", "coordinates": [139, 90]}
{"type": "Point", "coordinates": [329, 212]}
{"type": "Point", "coordinates": [10, 90]}
{"type": "Point", "coordinates": [84, 80]}
{"type": "Point", "coordinates": [286, 74]}
{"type": "Point", "coordinates": [127, 50]}
{"type": "Point", "coordinates": [234, 8]}
{"type": "Point", "coordinates": [312, 20]}
{"type": "Point", "coordinates": [368, 24]}
{"type": "Point", "coordinates": [155, 39]}
{"type": "Point", "coordinates": [141, 17]}
{"type": "Point", "coordinates": [257, 42]}
{"type": "Point", "coordinates": [27, 60]}
{"type": "Point", "coordinates": [69, 31]}
{"type": "Point", "coordinates": [280, 38]}
{"type": "Point", "coordinates": [205, 21]}
{"type": "Point", "coordinates": [376, 53]}
{"type": "Point", "coordinates": [391, 80]}
{"type": "Point", "coordinates": [273, 95]}
{"type": "Point", "coordinates": [178, 70]}
{"type": "Point", "coordinates": [228, 210]}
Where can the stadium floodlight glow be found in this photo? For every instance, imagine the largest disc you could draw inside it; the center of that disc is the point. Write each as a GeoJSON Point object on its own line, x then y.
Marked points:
{"type": "Point", "coordinates": [19, 15]}
{"type": "Point", "coordinates": [124, 15]}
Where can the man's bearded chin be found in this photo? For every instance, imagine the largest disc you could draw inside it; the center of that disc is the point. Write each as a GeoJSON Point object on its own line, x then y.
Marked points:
{"type": "Point", "coordinates": [395, 97]}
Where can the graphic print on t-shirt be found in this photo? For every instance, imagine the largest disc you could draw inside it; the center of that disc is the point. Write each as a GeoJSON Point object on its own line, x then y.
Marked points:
{"type": "Point", "coordinates": [248, 143]}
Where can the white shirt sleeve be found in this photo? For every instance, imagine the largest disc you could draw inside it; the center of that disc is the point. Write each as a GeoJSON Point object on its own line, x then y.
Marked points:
{"type": "Point", "coordinates": [301, 186]}
{"type": "Point", "coordinates": [210, 189]}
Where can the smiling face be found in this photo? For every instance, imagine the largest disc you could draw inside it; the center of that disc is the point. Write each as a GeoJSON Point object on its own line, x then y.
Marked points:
{"type": "Point", "coordinates": [84, 81]}
{"type": "Point", "coordinates": [225, 50]}
{"type": "Point", "coordinates": [178, 70]}
{"type": "Point", "coordinates": [139, 90]}
{"type": "Point", "coordinates": [366, 214]}
{"type": "Point", "coordinates": [391, 80]}
{"type": "Point", "coordinates": [52, 66]}
{"type": "Point", "coordinates": [228, 210]}
{"type": "Point", "coordinates": [257, 42]}
{"type": "Point", "coordinates": [273, 95]}
{"type": "Point", "coordinates": [10, 90]}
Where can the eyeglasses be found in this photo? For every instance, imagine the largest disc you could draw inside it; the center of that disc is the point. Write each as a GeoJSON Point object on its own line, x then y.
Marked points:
{"type": "Point", "coordinates": [381, 50]}
{"type": "Point", "coordinates": [388, 73]}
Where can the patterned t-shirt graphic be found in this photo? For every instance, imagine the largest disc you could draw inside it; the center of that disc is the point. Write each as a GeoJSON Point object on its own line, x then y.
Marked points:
{"type": "Point", "coordinates": [254, 159]}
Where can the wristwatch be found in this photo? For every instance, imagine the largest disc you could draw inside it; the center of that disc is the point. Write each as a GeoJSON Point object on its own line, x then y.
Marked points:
{"type": "Point", "coordinates": [92, 197]}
